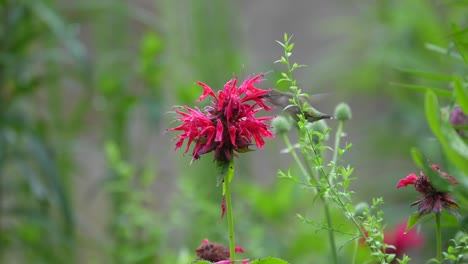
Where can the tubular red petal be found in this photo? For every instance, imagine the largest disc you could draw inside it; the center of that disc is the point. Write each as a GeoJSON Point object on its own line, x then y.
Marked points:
{"type": "Point", "coordinates": [410, 179]}
{"type": "Point", "coordinates": [206, 91]}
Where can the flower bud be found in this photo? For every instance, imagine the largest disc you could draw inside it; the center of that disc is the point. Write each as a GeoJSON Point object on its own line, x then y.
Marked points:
{"type": "Point", "coordinates": [343, 112]}
{"type": "Point", "coordinates": [321, 127]}
{"type": "Point", "coordinates": [361, 208]}
{"type": "Point", "coordinates": [281, 124]}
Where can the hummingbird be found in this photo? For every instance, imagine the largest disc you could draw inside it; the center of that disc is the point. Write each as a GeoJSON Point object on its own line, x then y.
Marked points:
{"type": "Point", "coordinates": [282, 99]}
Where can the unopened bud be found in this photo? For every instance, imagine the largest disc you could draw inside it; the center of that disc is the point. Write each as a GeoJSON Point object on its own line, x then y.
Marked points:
{"type": "Point", "coordinates": [361, 208]}
{"type": "Point", "coordinates": [321, 127]}
{"type": "Point", "coordinates": [282, 124]}
{"type": "Point", "coordinates": [343, 112]}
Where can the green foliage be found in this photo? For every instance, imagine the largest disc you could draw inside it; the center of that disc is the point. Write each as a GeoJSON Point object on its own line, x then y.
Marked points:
{"type": "Point", "coordinates": [135, 228]}
{"type": "Point", "coordinates": [38, 216]}
{"type": "Point", "coordinates": [330, 181]}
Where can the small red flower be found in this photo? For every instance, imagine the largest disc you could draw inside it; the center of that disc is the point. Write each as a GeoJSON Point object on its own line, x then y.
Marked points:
{"type": "Point", "coordinates": [403, 242]}
{"type": "Point", "coordinates": [228, 124]}
{"type": "Point", "coordinates": [431, 199]}
{"type": "Point", "coordinates": [410, 179]}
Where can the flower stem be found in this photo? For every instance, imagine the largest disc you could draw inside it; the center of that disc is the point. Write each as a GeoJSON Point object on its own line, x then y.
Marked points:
{"type": "Point", "coordinates": [227, 191]}
{"type": "Point", "coordinates": [331, 234]}
{"type": "Point", "coordinates": [338, 134]}
{"type": "Point", "coordinates": [295, 157]}
{"type": "Point", "coordinates": [308, 174]}
{"type": "Point", "coordinates": [439, 239]}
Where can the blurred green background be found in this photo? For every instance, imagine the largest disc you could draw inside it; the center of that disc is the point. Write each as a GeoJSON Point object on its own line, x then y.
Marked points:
{"type": "Point", "coordinates": [87, 174]}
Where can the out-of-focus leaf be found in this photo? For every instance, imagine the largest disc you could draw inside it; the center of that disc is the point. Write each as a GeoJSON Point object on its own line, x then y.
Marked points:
{"type": "Point", "coordinates": [459, 43]}
{"type": "Point", "coordinates": [461, 93]}
{"type": "Point", "coordinates": [427, 75]}
{"type": "Point", "coordinates": [269, 260]}
{"type": "Point", "coordinates": [440, 183]}
{"type": "Point", "coordinates": [63, 32]}
{"type": "Point", "coordinates": [443, 51]}
{"type": "Point", "coordinates": [421, 88]}
{"type": "Point", "coordinates": [454, 147]}
{"type": "Point", "coordinates": [413, 220]}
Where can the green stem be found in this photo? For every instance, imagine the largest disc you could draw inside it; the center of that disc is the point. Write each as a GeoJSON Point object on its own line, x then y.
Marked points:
{"type": "Point", "coordinates": [439, 239]}
{"type": "Point", "coordinates": [338, 134]}
{"type": "Point", "coordinates": [227, 191]}
{"type": "Point", "coordinates": [308, 174]}
{"type": "Point", "coordinates": [331, 234]}
{"type": "Point", "coordinates": [295, 157]}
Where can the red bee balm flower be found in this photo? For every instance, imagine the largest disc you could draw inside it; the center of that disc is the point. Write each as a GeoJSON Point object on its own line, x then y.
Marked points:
{"type": "Point", "coordinates": [402, 241]}
{"type": "Point", "coordinates": [228, 124]}
{"type": "Point", "coordinates": [431, 199]}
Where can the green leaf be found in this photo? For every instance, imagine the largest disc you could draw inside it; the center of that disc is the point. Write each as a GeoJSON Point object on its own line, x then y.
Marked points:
{"type": "Point", "coordinates": [439, 182]}
{"type": "Point", "coordinates": [461, 93]}
{"type": "Point", "coordinates": [459, 45]}
{"type": "Point", "coordinates": [202, 262]}
{"type": "Point", "coordinates": [417, 157]}
{"type": "Point", "coordinates": [269, 260]}
{"type": "Point", "coordinates": [427, 75]}
{"type": "Point", "coordinates": [413, 220]}
{"type": "Point", "coordinates": [443, 51]}
{"type": "Point", "coordinates": [454, 147]}
{"type": "Point", "coordinates": [421, 88]}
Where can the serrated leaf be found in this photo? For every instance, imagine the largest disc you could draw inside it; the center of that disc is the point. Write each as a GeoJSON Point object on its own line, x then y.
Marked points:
{"type": "Point", "coordinates": [413, 220]}
{"type": "Point", "coordinates": [461, 93]}
{"type": "Point", "coordinates": [269, 260]}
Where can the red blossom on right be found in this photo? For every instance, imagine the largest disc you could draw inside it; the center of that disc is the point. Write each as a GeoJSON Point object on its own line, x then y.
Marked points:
{"type": "Point", "coordinates": [402, 242]}
{"type": "Point", "coordinates": [431, 199]}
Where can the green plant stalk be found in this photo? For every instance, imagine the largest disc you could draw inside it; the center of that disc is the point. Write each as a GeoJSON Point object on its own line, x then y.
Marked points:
{"type": "Point", "coordinates": [295, 157]}
{"type": "Point", "coordinates": [338, 134]}
{"type": "Point", "coordinates": [308, 175]}
{"type": "Point", "coordinates": [331, 234]}
{"type": "Point", "coordinates": [227, 191]}
{"type": "Point", "coordinates": [438, 239]}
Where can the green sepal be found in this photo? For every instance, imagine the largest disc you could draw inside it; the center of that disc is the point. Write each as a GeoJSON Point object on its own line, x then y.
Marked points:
{"type": "Point", "coordinates": [223, 167]}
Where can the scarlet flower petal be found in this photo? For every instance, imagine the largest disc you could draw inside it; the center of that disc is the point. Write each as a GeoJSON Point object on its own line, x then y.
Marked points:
{"type": "Point", "coordinates": [410, 179]}
{"type": "Point", "coordinates": [228, 124]}
{"type": "Point", "coordinates": [403, 242]}
{"type": "Point", "coordinates": [206, 91]}
{"type": "Point", "coordinates": [219, 132]}
{"type": "Point", "coordinates": [239, 249]}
